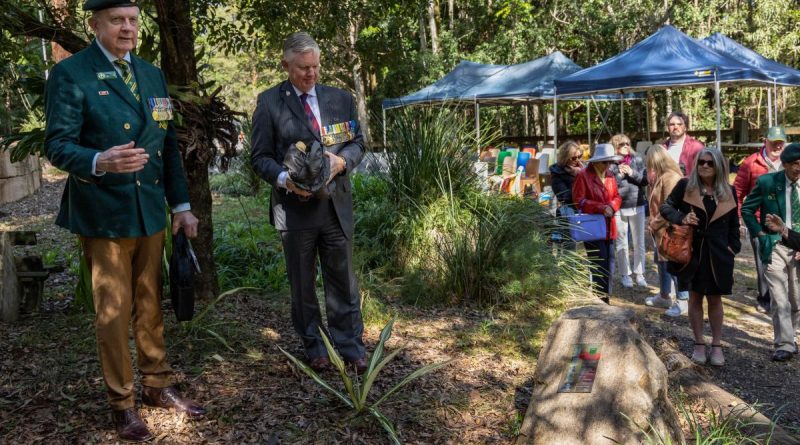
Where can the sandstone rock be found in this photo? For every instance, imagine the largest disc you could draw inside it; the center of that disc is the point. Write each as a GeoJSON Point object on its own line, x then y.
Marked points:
{"type": "Point", "coordinates": [18, 179]}
{"type": "Point", "coordinates": [9, 295]}
{"type": "Point", "coordinates": [629, 394]}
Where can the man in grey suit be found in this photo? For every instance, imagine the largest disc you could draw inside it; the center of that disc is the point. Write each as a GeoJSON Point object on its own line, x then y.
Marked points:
{"type": "Point", "coordinates": [300, 110]}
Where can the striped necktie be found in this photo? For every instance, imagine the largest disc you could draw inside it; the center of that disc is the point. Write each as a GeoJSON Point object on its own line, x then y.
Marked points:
{"type": "Point", "coordinates": [795, 207]}
{"type": "Point", "coordinates": [309, 114]}
{"type": "Point", "coordinates": [127, 77]}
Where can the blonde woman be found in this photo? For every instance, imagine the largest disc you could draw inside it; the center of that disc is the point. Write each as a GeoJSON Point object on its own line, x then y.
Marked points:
{"type": "Point", "coordinates": [663, 173]}
{"type": "Point", "coordinates": [706, 201]}
{"type": "Point", "coordinates": [631, 181]}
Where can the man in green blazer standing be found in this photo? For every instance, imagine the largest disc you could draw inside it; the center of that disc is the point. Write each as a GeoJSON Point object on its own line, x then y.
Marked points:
{"type": "Point", "coordinates": [109, 125]}
{"type": "Point", "coordinates": [778, 194]}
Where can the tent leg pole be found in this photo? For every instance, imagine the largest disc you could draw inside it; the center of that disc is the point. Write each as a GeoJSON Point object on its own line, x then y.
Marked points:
{"type": "Point", "coordinates": [769, 107]}
{"type": "Point", "coordinates": [478, 125]}
{"type": "Point", "coordinates": [719, 120]}
{"type": "Point", "coordinates": [384, 129]}
{"type": "Point", "coordinates": [621, 114]}
{"type": "Point", "coordinates": [555, 123]}
{"type": "Point", "coordinates": [588, 123]}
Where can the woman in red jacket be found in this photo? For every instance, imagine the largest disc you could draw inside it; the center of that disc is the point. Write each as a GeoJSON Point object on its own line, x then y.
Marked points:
{"type": "Point", "coordinates": [595, 191]}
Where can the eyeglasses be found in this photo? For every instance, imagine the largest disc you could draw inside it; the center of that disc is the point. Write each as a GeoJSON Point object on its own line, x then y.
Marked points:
{"type": "Point", "coordinates": [574, 158]}
{"type": "Point", "coordinates": [702, 162]}
{"type": "Point", "coordinates": [622, 144]}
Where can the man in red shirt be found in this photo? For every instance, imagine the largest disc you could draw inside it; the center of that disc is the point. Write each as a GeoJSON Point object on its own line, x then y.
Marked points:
{"type": "Point", "coordinates": [766, 160]}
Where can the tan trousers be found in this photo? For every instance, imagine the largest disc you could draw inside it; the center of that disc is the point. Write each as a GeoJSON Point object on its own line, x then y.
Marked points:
{"type": "Point", "coordinates": [126, 284]}
{"type": "Point", "coordinates": [782, 276]}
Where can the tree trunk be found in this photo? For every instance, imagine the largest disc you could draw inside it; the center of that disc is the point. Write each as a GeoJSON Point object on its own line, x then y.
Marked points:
{"type": "Point", "coordinates": [432, 24]}
{"type": "Point", "coordinates": [423, 38]}
{"type": "Point", "coordinates": [358, 84]}
{"type": "Point", "coordinates": [451, 4]}
{"type": "Point", "coordinates": [179, 64]}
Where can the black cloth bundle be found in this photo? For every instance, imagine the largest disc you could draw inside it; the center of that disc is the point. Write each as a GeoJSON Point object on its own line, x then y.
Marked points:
{"type": "Point", "coordinates": [309, 168]}
{"type": "Point", "coordinates": [182, 265]}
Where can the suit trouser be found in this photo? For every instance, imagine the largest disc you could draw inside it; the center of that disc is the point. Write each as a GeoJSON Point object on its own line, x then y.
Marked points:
{"type": "Point", "coordinates": [763, 287]}
{"type": "Point", "coordinates": [635, 224]}
{"type": "Point", "coordinates": [342, 299]}
{"type": "Point", "coordinates": [126, 285]}
{"type": "Point", "coordinates": [784, 287]}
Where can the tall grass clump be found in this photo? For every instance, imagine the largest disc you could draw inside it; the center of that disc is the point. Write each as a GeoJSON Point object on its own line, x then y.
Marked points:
{"type": "Point", "coordinates": [448, 240]}
{"type": "Point", "coordinates": [431, 150]}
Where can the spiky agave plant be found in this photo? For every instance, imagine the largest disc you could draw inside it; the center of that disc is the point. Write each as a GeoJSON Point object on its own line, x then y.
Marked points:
{"type": "Point", "coordinates": [356, 391]}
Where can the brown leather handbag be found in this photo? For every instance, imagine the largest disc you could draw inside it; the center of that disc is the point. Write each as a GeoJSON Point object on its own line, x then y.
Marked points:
{"type": "Point", "coordinates": [676, 243]}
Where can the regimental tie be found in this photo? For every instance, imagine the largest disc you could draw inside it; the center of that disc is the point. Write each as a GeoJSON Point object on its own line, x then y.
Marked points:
{"type": "Point", "coordinates": [309, 114]}
{"type": "Point", "coordinates": [127, 77]}
{"type": "Point", "coordinates": [795, 207]}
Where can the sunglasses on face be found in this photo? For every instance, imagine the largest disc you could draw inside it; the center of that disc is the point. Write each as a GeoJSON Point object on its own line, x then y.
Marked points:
{"type": "Point", "coordinates": [574, 158]}
{"type": "Point", "coordinates": [702, 162]}
{"type": "Point", "coordinates": [624, 144]}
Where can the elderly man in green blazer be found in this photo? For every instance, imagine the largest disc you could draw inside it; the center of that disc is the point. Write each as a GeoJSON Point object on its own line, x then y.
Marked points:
{"type": "Point", "coordinates": [109, 124]}
{"type": "Point", "coordinates": [778, 194]}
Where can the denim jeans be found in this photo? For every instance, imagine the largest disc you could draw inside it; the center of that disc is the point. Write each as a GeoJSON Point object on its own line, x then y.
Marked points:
{"type": "Point", "coordinates": [667, 281]}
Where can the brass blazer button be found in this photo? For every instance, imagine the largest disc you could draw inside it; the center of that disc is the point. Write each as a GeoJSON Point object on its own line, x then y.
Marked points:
{"type": "Point", "coordinates": [159, 153]}
{"type": "Point", "coordinates": [127, 126]}
{"type": "Point", "coordinates": [139, 183]}
{"type": "Point", "coordinates": [156, 181]}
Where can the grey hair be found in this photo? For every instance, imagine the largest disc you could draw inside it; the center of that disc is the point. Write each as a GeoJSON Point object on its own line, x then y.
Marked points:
{"type": "Point", "coordinates": [722, 189]}
{"type": "Point", "coordinates": [299, 43]}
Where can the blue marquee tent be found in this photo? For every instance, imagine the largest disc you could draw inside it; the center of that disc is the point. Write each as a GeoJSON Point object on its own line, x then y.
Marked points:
{"type": "Point", "coordinates": [666, 59]}
{"type": "Point", "coordinates": [451, 87]}
{"type": "Point", "coordinates": [783, 75]}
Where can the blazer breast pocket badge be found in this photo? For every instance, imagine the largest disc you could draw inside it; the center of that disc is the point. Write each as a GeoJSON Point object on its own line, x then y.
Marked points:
{"type": "Point", "coordinates": [338, 133]}
{"type": "Point", "coordinates": [161, 110]}
{"type": "Point", "coordinates": [107, 75]}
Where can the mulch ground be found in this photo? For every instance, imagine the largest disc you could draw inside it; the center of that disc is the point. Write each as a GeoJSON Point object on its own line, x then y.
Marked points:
{"type": "Point", "coordinates": [51, 390]}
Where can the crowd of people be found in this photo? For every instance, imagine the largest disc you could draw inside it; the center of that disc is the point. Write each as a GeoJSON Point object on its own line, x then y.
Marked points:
{"type": "Point", "coordinates": [679, 183]}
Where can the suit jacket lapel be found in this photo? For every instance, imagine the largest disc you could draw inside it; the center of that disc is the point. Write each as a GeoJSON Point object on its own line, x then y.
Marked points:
{"type": "Point", "coordinates": [101, 64]}
{"type": "Point", "coordinates": [292, 101]}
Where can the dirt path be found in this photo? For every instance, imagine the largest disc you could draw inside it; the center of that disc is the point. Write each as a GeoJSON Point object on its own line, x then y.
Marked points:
{"type": "Point", "coordinates": [747, 340]}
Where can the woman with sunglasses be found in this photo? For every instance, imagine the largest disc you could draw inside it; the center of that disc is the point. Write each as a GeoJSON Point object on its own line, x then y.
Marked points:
{"type": "Point", "coordinates": [595, 191]}
{"type": "Point", "coordinates": [562, 174]}
{"type": "Point", "coordinates": [631, 182]}
{"type": "Point", "coordinates": [706, 201]}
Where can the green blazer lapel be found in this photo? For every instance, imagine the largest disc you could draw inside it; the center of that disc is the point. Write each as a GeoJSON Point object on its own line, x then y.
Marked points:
{"type": "Point", "coordinates": [102, 65]}
{"type": "Point", "coordinates": [780, 194]}
{"type": "Point", "coordinates": [144, 85]}
{"type": "Point", "coordinates": [292, 101]}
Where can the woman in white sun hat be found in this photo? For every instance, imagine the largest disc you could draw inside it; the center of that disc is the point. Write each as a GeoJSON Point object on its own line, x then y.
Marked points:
{"type": "Point", "coordinates": [595, 191]}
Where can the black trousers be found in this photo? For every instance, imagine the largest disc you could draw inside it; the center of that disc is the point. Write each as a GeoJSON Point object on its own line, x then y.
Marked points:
{"type": "Point", "coordinates": [602, 264]}
{"type": "Point", "coordinates": [342, 299]}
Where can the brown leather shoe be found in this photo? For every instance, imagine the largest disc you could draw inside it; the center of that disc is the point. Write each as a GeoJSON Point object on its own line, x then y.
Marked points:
{"type": "Point", "coordinates": [319, 364]}
{"type": "Point", "coordinates": [169, 397]}
{"type": "Point", "coordinates": [130, 426]}
{"type": "Point", "coordinates": [360, 364]}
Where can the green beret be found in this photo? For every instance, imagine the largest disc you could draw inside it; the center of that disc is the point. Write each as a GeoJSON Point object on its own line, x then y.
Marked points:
{"type": "Point", "coordinates": [97, 5]}
{"type": "Point", "coordinates": [790, 153]}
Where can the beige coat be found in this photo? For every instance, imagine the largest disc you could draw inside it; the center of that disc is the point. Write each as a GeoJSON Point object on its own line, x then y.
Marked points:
{"type": "Point", "coordinates": [658, 193]}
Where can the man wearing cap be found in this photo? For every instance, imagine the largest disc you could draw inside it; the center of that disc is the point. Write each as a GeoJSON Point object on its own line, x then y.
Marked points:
{"type": "Point", "coordinates": [109, 125]}
{"type": "Point", "coordinates": [778, 193]}
{"type": "Point", "coordinates": [766, 160]}
{"type": "Point", "coordinates": [319, 226]}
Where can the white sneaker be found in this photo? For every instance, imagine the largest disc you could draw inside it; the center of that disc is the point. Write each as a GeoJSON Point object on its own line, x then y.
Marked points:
{"type": "Point", "coordinates": [626, 281]}
{"type": "Point", "coordinates": [640, 281]}
{"type": "Point", "coordinates": [679, 307]}
{"type": "Point", "coordinates": [658, 301]}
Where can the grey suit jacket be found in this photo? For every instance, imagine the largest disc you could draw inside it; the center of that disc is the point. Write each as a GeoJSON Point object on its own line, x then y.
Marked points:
{"type": "Point", "coordinates": [278, 122]}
